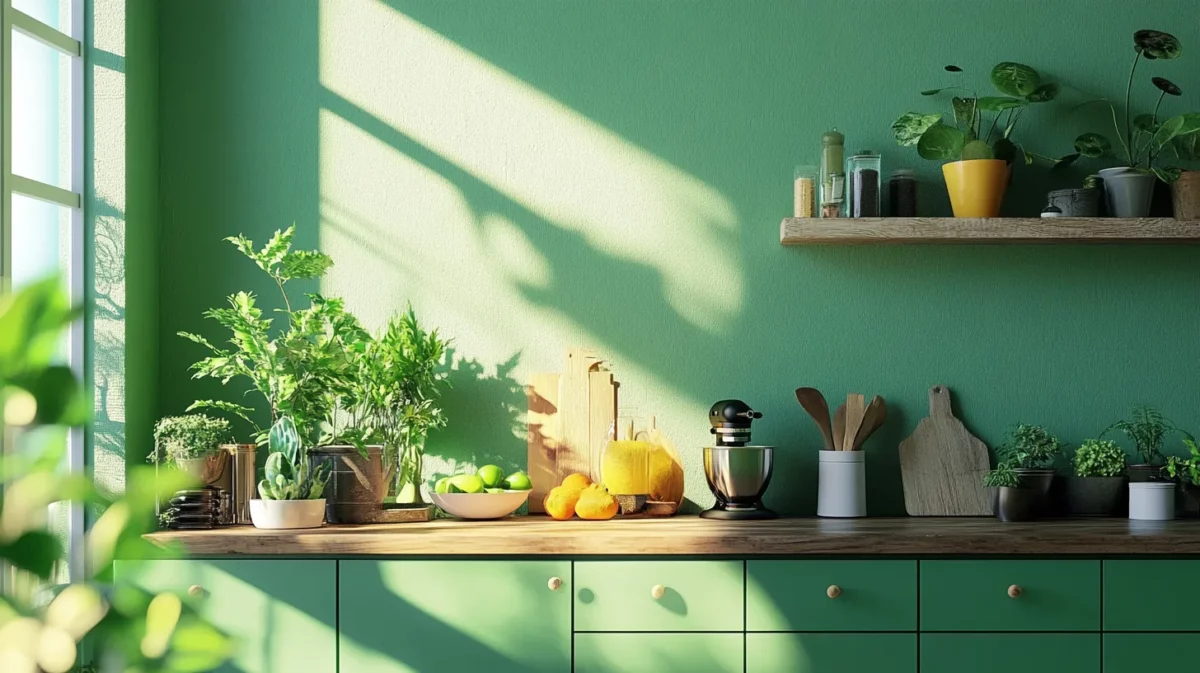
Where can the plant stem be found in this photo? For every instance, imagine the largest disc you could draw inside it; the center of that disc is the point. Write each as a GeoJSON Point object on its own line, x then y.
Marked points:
{"type": "Point", "coordinates": [1128, 92]}
{"type": "Point", "coordinates": [1153, 123]}
{"type": "Point", "coordinates": [1117, 128]}
{"type": "Point", "coordinates": [992, 127]}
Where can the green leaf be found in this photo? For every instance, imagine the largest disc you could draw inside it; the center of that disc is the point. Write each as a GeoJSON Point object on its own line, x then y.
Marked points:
{"type": "Point", "coordinates": [1167, 175]}
{"type": "Point", "coordinates": [1155, 44]}
{"type": "Point", "coordinates": [1015, 79]}
{"type": "Point", "coordinates": [977, 149]}
{"type": "Point", "coordinates": [1044, 93]}
{"type": "Point", "coordinates": [909, 126]}
{"type": "Point", "coordinates": [58, 395]}
{"type": "Point", "coordinates": [1145, 123]}
{"type": "Point", "coordinates": [303, 264]}
{"type": "Point", "coordinates": [1065, 161]}
{"type": "Point", "coordinates": [1092, 145]}
{"type": "Point", "coordinates": [35, 551]}
{"type": "Point", "coordinates": [941, 143]}
{"type": "Point", "coordinates": [931, 92]}
{"type": "Point", "coordinates": [998, 103]}
{"type": "Point", "coordinates": [1168, 130]}
{"type": "Point", "coordinates": [1188, 146]}
{"type": "Point", "coordinates": [964, 112]}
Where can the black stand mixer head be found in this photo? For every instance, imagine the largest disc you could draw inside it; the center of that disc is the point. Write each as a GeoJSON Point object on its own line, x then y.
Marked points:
{"type": "Point", "coordinates": [737, 473]}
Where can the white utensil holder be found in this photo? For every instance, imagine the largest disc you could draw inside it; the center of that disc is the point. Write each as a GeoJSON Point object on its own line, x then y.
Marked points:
{"type": "Point", "coordinates": [1152, 501]}
{"type": "Point", "coordinates": [842, 484]}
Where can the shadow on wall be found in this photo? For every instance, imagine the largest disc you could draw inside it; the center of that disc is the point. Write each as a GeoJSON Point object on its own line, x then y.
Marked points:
{"type": "Point", "coordinates": [107, 345]}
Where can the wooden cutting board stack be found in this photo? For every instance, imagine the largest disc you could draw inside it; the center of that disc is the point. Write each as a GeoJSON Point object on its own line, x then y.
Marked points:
{"type": "Point", "coordinates": [942, 465]}
{"type": "Point", "coordinates": [570, 417]}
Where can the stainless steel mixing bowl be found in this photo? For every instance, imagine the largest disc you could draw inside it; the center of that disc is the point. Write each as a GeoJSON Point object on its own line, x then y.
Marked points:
{"type": "Point", "coordinates": [739, 475]}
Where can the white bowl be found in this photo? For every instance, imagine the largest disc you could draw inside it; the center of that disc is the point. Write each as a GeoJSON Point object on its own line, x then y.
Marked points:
{"type": "Point", "coordinates": [480, 505]}
{"type": "Point", "coordinates": [287, 514]}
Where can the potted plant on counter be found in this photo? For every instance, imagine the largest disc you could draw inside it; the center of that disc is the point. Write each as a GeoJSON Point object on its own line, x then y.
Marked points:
{"type": "Point", "coordinates": [291, 490]}
{"type": "Point", "coordinates": [192, 443]}
{"type": "Point", "coordinates": [978, 145]}
{"type": "Point", "coordinates": [1031, 451]}
{"type": "Point", "coordinates": [1099, 480]}
{"type": "Point", "coordinates": [1186, 471]}
{"type": "Point", "coordinates": [1146, 428]}
{"type": "Point", "coordinates": [1012, 501]}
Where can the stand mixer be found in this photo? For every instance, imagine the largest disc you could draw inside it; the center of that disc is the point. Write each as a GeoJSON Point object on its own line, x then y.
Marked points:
{"type": "Point", "coordinates": [738, 473]}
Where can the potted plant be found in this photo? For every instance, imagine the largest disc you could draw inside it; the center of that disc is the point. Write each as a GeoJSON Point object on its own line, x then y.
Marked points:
{"type": "Point", "coordinates": [1012, 500]}
{"type": "Point", "coordinates": [1146, 428]}
{"type": "Point", "coordinates": [291, 490]}
{"type": "Point", "coordinates": [1031, 450]}
{"type": "Point", "coordinates": [1143, 137]}
{"type": "Point", "coordinates": [978, 145]}
{"type": "Point", "coordinates": [192, 443]}
{"type": "Point", "coordinates": [1099, 479]}
{"type": "Point", "coordinates": [1185, 182]}
{"type": "Point", "coordinates": [1186, 471]}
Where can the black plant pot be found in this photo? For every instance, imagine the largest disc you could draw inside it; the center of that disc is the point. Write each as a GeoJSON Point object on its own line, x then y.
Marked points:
{"type": "Point", "coordinates": [1094, 496]}
{"type": "Point", "coordinates": [1144, 472]}
{"type": "Point", "coordinates": [1019, 503]}
{"type": "Point", "coordinates": [357, 486]}
{"type": "Point", "coordinates": [1038, 478]}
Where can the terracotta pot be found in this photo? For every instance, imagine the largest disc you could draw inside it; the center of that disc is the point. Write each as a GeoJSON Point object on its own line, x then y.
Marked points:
{"type": "Point", "coordinates": [976, 186]}
{"type": "Point", "coordinates": [1185, 195]}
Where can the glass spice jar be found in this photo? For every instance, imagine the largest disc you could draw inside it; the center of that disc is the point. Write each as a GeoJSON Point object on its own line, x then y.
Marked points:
{"type": "Point", "coordinates": [804, 191]}
{"type": "Point", "coordinates": [902, 193]}
{"type": "Point", "coordinates": [833, 177]}
{"type": "Point", "coordinates": [865, 184]}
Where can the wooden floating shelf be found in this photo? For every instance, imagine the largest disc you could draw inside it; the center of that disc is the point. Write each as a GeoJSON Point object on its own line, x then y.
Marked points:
{"type": "Point", "coordinates": [910, 230]}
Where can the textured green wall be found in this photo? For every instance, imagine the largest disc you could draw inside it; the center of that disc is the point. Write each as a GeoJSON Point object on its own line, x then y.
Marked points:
{"type": "Point", "coordinates": [533, 175]}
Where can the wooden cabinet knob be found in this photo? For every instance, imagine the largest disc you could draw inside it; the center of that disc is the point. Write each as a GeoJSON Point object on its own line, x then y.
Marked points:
{"type": "Point", "coordinates": [554, 584]}
{"type": "Point", "coordinates": [833, 591]}
{"type": "Point", "coordinates": [196, 590]}
{"type": "Point", "coordinates": [1014, 591]}
{"type": "Point", "coordinates": [658, 591]}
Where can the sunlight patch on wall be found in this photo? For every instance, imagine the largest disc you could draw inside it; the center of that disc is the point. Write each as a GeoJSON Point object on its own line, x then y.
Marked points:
{"type": "Point", "coordinates": [542, 155]}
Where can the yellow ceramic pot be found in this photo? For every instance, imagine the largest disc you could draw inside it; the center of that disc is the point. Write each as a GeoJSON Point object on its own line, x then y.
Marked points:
{"type": "Point", "coordinates": [976, 187]}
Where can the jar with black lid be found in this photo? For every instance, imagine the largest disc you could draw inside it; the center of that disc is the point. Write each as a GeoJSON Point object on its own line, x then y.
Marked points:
{"type": "Point", "coordinates": [902, 193]}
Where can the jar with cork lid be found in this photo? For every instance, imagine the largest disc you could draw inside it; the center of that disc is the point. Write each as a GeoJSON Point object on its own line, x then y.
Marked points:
{"type": "Point", "coordinates": [833, 175]}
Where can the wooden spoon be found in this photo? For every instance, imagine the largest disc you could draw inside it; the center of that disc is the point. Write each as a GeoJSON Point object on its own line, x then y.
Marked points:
{"type": "Point", "coordinates": [873, 417]}
{"type": "Point", "coordinates": [839, 427]}
{"type": "Point", "coordinates": [855, 408]}
{"type": "Point", "coordinates": [814, 403]}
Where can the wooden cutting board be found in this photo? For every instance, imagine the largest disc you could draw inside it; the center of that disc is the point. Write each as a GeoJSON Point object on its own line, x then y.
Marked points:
{"type": "Point", "coordinates": [942, 465]}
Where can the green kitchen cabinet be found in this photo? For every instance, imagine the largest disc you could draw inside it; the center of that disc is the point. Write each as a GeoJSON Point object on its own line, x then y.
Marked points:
{"type": "Point", "coordinates": [1010, 595]}
{"type": "Point", "coordinates": [658, 652]}
{"type": "Point", "coordinates": [417, 616]}
{"type": "Point", "coordinates": [282, 614]}
{"type": "Point", "coordinates": [831, 595]}
{"type": "Point", "coordinates": [1009, 652]}
{"type": "Point", "coordinates": [1148, 595]}
{"type": "Point", "coordinates": [1150, 652]}
{"type": "Point", "coordinates": [831, 653]}
{"type": "Point", "coordinates": [658, 596]}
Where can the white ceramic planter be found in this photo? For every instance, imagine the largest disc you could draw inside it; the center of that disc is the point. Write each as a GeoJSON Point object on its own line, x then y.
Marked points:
{"type": "Point", "coordinates": [287, 514]}
{"type": "Point", "coordinates": [842, 484]}
{"type": "Point", "coordinates": [1152, 501]}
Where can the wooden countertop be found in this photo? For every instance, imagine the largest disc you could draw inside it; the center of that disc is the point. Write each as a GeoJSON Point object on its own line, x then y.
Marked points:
{"type": "Point", "coordinates": [692, 536]}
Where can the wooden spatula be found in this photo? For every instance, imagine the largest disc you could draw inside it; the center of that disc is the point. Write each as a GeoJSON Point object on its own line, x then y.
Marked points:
{"type": "Point", "coordinates": [839, 427]}
{"type": "Point", "coordinates": [855, 408]}
{"type": "Point", "coordinates": [873, 417]}
{"type": "Point", "coordinates": [814, 403]}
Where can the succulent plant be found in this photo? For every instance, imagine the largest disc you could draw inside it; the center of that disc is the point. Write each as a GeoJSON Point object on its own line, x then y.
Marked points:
{"type": "Point", "coordinates": [288, 476]}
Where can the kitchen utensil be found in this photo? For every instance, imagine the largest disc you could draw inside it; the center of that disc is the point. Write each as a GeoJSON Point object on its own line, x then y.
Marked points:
{"type": "Point", "coordinates": [480, 505]}
{"type": "Point", "coordinates": [839, 427]}
{"type": "Point", "coordinates": [814, 403]}
{"type": "Point", "coordinates": [873, 417]}
{"type": "Point", "coordinates": [738, 473]}
{"type": "Point", "coordinates": [942, 465]}
{"type": "Point", "coordinates": [245, 483]}
{"type": "Point", "coordinates": [855, 408]}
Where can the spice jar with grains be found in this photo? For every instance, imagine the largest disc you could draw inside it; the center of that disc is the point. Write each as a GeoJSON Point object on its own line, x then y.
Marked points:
{"type": "Point", "coordinates": [863, 169]}
{"type": "Point", "coordinates": [833, 177]}
{"type": "Point", "coordinates": [804, 191]}
{"type": "Point", "coordinates": [902, 193]}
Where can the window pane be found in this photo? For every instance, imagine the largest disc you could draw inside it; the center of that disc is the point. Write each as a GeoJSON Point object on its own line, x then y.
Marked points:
{"type": "Point", "coordinates": [53, 13]}
{"type": "Point", "coordinates": [41, 240]}
{"type": "Point", "coordinates": [41, 112]}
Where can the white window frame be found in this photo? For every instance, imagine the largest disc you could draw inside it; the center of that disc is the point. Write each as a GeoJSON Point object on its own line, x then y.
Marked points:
{"type": "Point", "coordinates": [72, 45]}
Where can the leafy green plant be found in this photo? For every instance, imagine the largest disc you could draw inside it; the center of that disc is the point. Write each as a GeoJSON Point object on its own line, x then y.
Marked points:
{"type": "Point", "coordinates": [1186, 470]}
{"type": "Point", "coordinates": [1143, 137]}
{"type": "Point", "coordinates": [1146, 428]}
{"type": "Point", "coordinates": [1003, 475]}
{"type": "Point", "coordinates": [287, 472]}
{"type": "Point", "coordinates": [190, 436]}
{"type": "Point", "coordinates": [1099, 458]}
{"type": "Point", "coordinates": [1029, 447]}
{"type": "Point", "coordinates": [983, 125]}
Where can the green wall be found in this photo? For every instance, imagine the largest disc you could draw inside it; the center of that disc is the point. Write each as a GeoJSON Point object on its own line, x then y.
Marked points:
{"type": "Point", "coordinates": [535, 175]}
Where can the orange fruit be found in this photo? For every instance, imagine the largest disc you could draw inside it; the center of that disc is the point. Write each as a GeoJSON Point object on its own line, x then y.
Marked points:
{"type": "Point", "coordinates": [560, 502]}
{"type": "Point", "coordinates": [576, 482]}
{"type": "Point", "coordinates": [595, 503]}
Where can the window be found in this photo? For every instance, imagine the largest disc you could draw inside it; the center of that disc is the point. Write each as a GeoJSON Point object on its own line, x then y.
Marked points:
{"type": "Point", "coordinates": [41, 187]}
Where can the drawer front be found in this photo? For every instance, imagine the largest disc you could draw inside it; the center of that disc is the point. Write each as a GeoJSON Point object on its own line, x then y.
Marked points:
{"type": "Point", "coordinates": [658, 652]}
{"type": "Point", "coordinates": [696, 596]}
{"type": "Point", "coordinates": [795, 596]}
{"type": "Point", "coordinates": [1009, 652]}
{"type": "Point", "coordinates": [416, 616]}
{"type": "Point", "coordinates": [1145, 652]}
{"type": "Point", "coordinates": [831, 653]}
{"type": "Point", "coordinates": [258, 603]}
{"type": "Point", "coordinates": [1150, 596]}
{"type": "Point", "coordinates": [974, 596]}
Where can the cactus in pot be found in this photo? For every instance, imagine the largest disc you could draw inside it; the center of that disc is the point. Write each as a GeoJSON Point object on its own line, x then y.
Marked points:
{"type": "Point", "coordinates": [292, 491]}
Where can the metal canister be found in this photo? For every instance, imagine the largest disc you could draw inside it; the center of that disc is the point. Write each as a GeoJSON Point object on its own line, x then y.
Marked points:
{"type": "Point", "coordinates": [1081, 202]}
{"type": "Point", "coordinates": [244, 481]}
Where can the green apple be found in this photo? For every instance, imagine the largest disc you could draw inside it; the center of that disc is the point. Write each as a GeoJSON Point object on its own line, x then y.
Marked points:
{"type": "Point", "coordinates": [495, 490]}
{"type": "Point", "coordinates": [442, 485]}
{"type": "Point", "coordinates": [467, 483]}
{"type": "Point", "coordinates": [518, 481]}
{"type": "Point", "coordinates": [491, 475]}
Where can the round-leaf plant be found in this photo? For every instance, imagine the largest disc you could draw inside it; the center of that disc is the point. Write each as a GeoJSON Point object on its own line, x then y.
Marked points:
{"type": "Point", "coordinates": [1099, 458]}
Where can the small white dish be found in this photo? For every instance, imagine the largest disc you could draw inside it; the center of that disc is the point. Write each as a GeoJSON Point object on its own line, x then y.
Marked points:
{"type": "Point", "coordinates": [287, 514]}
{"type": "Point", "coordinates": [480, 505]}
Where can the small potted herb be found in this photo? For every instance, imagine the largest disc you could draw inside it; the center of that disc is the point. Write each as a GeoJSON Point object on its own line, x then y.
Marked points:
{"type": "Point", "coordinates": [291, 492]}
{"type": "Point", "coordinates": [1146, 428]}
{"type": "Point", "coordinates": [192, 443]}
{"type": "Point", "coordinates": [1012, 500]}
{"type": "Point", "coordinates": [1186, 471]}
{"type": "Point", "coordinates": [1031, 450]}
{"type": "Point", "coordinates": [1099, 479]}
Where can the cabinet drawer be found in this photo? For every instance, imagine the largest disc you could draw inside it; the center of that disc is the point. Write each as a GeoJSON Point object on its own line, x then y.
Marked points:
{"type": "Point", "coordinates": [1150, 596]}
{"type": "Point", "coordinates": [495, 616]}
{"type": "Point", "coordinates": [831, 653]}
{"type": "Point", "coordinates": [1008, 652]}
{"type": "Point", "coordinates": [1142, 652]}
{"type": "Point", "coordinates": [282, 614]}
{"type": "Point", "coordinates": [974, 596]}
{"type": "Point", "coordinates": [658, 652]}
{"type": "Point", "coordinates": [696, 596]}
{"type": "Point", "coordinates": [795, 596]}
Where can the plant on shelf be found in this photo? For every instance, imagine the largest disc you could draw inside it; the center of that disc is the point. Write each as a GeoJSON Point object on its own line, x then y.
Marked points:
{"type": "Point", "coordinates": [288, 475]}
{"type": "Point", "coordinates": [1099, 458]}
{"type": "Point", "coordinates": [1099, 480]}
{"type": "Point", "coordinates": [1002, 476]}
{"type": "Point", "coordinates": [1146, 428]}
{"type": "Point", "coordinates": [1030, 447]}
{"type": "Point", "coordinates": [1186, 471]}
{"type": "Point", "coordinates": [188, 437]}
